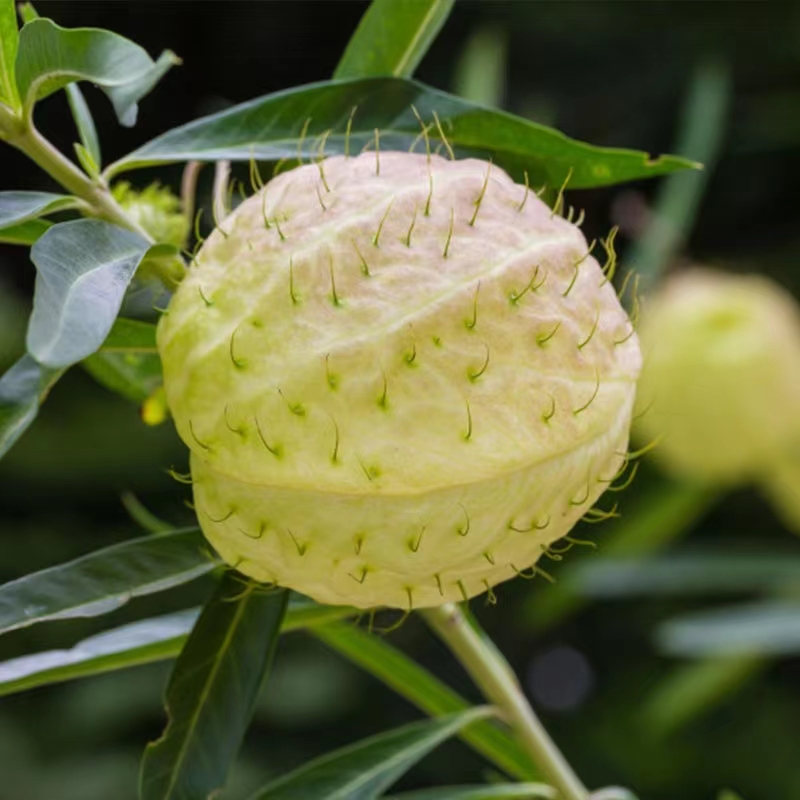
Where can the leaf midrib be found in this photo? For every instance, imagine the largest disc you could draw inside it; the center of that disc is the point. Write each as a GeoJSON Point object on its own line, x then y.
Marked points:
{"type": "Point", "coordinates": [217, 664]}
{"type": "Point", "coordinates": [433, 10]}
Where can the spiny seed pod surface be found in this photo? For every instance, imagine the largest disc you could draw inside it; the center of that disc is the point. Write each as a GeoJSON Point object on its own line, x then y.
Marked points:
{"type": "Point", "coordinates": [721, 376]}
{"type": "Point", "coordinates": [401, 378]}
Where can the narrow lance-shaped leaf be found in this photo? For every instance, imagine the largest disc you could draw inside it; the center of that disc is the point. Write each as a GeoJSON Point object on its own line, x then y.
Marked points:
{"type": "Point", "coordinates": [364, 770]}
{"type": "Point", "coordinates": [393, 37]}
{"type": "Point", "coordinates": [704, 126]}
{"type": "Point", "coordinates": [345, 114]}
{"type": "Point", "coordinates": [9, 40]}
{"type": "Point", "coordinates": [22, 389]}
{"type": "Point", "coordinates": [708, 573]}
{"type": "Point", "coordinates": [767, 628]}
{"type": "Point", "coordinates": [144, 642]}
{"type": "Point", "coordinates": [83, 269]}
{"type": "Point", "coordinates": [20, 206]}
{"type": "Point", "coordinates": [26, 233]}
{"type": "Point", "coordinates": [50, 57]}
{"type": "Point", "coordinates": [212, 692]}
{"type": "Point", "coordinates": [482, 67]}
{"type": "Point", "coordinates": [426, 692]}
{"type": "Point", "coordinates": [130, 645]}
{"type": "Point", "coordinates": [103, 581]}
{"type": "Point", "coordinates": [696, 688]}
{"type": "Point", "coordinates": [492, 791]}
{"type": "Point", "coordinates": [84, 122]}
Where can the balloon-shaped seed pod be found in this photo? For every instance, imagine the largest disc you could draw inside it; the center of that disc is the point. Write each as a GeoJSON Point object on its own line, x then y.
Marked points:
{"type": "Point", "coordinates": [721, 375]}
{"type": "Point", "coordinates": [400, 377]}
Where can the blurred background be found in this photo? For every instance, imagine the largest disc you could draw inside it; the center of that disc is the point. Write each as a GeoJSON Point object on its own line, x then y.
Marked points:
{"type": "Point", "coordinates": [643, 672]}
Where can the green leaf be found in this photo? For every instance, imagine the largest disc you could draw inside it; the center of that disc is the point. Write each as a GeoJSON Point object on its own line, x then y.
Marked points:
{"type": "Point", "coordinates": [496, 791]}
{"type": "Point", "coordinates": [83, 270]}
{"type": "Point", "coordinates": [376, 656]}
{"type": "Point", "coordinates": [212, 692]}
{"type": "Point", "coordinates": [392, 38]}
{"type": "Point", "coordinates": [658, 517]}
{"type": "Point", "coordinates": [767, 628]}
{"type": "Point", "coordinates": [84, 122]}
{"type": "Point", "coordinates": [708, 573]}
{"type": "Point", "coordinates": [142, 515]}
{"type": "Point", "coordinates": [694, 689]}
{"type": "Point", "coordinates": [27, 12]}
{"type": "Point", "coordinates": [157, 639]}
{"type": "Point", "coordinates": [105, 580]}
{"type": "Point", "coordinates": [26, 234]}
{"type": "Point", "coordinates": [9, 40]}
{"type": "Point", "coordinates": [130, 336]}
{"type": "Point", "coordinates": [51, 57]}
{"type": "Point", "coordinates": [727, 794]}
{"type": "Point", "coordinates": [134, 376]}
{"type": "Point", "coordinates": [22, 389]}
{"type": "Point", "coordinates": [128, 362]}
{"type": "Point", "coordinates": [364, 770]}
{"type": "Point", "coordinates": [703, 130]}
{"type": "Point", "coordinates": [482, 67]}
{"type": "Point", "coordinates": [89, 156]}
{"type": "Point", "coordinates": [20, 206]}
{"type": "Point", "coordinates": [292, 122]}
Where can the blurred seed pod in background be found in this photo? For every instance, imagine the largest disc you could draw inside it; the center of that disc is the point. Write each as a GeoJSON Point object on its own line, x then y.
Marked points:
{"type": "Point", "coordinates": [720, 386]}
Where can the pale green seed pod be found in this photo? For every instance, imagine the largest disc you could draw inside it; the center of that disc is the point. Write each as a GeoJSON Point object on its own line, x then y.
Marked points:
{"type": "Point", "coordinates": [721, 376]}
{"type": "Point", "coordinates": [401, 378]}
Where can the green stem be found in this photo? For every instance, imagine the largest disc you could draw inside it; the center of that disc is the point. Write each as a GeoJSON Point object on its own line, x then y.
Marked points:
{"type": "Point", "coordinates": [495, 679]}
{"type": "Point", "coordinates": [95, 194]}
{"type": "Point", "coordinates": [62, 170]}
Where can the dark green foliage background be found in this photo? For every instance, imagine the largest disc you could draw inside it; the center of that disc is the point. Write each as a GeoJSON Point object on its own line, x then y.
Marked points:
{"type": "Point", "coordinates": [609, 73]}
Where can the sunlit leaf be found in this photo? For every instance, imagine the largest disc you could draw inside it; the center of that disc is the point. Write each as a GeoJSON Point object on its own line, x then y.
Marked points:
{"type": "Point", "coordinates": [767, 628]}
{"type": "Point", "coordinates": [392, 38]}
{"type": "Point", "coordinates": [26, 233]}
{"type": "Point", "coordinates": [104, 580]}
{"type": "Point", "coordinates": [149, 640]}
{"type": "Point", "coordinates": [294, 121]}
{"type": "Point", "coordinates": [364, 770]}
{"type": "Point", "coordinates": [212, 692]}
{"type": "Point", "coordinates": [9, 40]}
{"type": "Point", "coordinates": [22, 389]}
{"type": "Point", "coordinates": [20, 206]}
{"type": "Point", "coordinates": [492, 791]}
{"type": "Point", "coordinates": [50, 57]}
{"type": "Point", "coordinates": [83, 269]}
{"type": "Point", "coordinates": [376, 656]}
